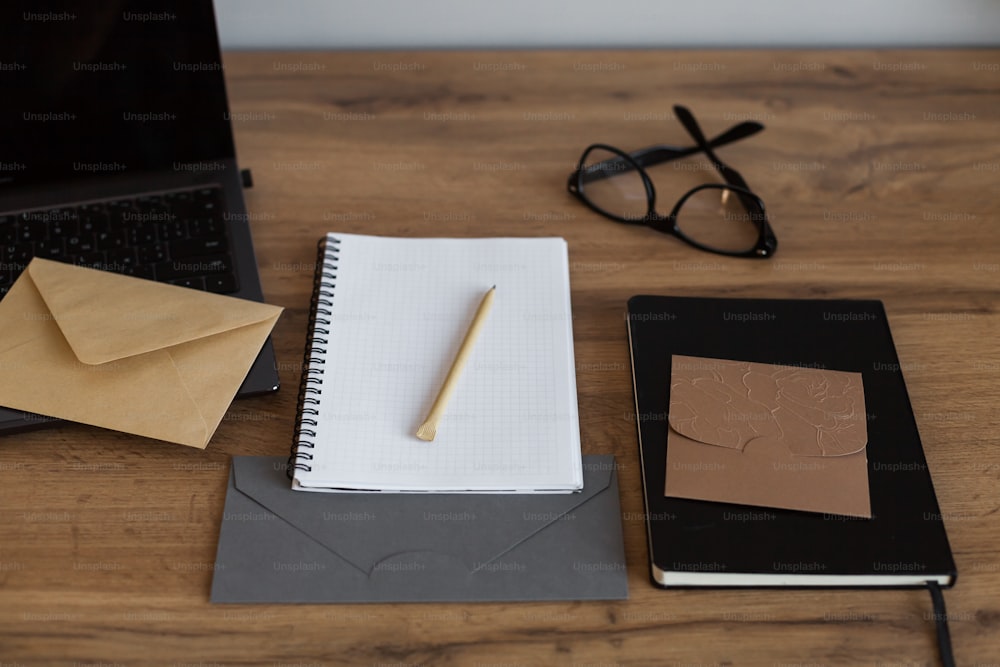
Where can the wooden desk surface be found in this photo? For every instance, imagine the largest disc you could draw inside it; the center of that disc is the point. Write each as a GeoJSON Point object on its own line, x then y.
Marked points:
{"type": "Point", "coordinates": [881, 171]}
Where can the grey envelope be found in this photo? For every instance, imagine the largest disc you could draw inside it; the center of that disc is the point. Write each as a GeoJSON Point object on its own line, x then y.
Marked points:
{"type": "Point", "coordinates": [280, 545]}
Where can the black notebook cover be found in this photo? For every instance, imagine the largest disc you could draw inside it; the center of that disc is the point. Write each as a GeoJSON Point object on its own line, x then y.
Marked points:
{"type": "Point", "coordinates": [701, 543]}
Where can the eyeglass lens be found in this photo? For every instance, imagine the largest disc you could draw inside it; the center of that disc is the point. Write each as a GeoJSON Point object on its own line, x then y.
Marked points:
{"type": "Point", "coordinates": [717, 218]}
{"type": "Point", "coordinates": [614, 185]}
{"type": "Point", "coordinates": [714, 217]}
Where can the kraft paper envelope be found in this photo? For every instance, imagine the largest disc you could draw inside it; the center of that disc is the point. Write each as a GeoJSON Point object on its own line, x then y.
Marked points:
{"type": "Point", "coordinates": [281, 545]}
{"type": "Point", "coordinates": [767, 435]}
{"type": "Point", "coordinates": [125, 353]}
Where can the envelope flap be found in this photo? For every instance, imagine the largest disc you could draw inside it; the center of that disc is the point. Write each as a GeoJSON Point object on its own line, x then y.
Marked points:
{"type": "Point", "coordinates": [372, 530]}
{"type": "Point", "coordinates": [726, 403]}
{"type": "Point", "coordinates": [105, 316]}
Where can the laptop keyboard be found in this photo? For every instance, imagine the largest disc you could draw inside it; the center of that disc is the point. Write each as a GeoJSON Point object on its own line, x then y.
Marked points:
{"type": "Point", "coordinates": [176, 237]}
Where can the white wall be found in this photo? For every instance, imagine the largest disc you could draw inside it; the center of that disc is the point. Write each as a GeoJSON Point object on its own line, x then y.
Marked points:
{"type": "Point", "coordinates": [399, 24]}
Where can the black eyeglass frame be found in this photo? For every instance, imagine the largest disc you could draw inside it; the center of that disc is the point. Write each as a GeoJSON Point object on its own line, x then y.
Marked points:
{"type": "Point", "coordinates": [766, 243]}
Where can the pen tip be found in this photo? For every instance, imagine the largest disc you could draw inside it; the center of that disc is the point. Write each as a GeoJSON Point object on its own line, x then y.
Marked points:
{"type": "Point", "coordinates": [427, 431]}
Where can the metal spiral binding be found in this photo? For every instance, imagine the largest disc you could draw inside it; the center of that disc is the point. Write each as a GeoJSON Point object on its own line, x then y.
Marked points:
{"type": "Point", "coordinates": [317, 338]}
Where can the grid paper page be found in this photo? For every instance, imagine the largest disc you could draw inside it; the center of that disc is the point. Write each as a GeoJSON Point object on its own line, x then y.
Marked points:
{"type": "Point", "coordinates": [401, 308]}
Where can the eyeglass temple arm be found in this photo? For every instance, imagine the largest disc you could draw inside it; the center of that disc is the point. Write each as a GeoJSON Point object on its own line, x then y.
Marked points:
{"type": "Point", "coordinates": [654, 155]}
{"type": "Point", "coordinates": [730, 175]}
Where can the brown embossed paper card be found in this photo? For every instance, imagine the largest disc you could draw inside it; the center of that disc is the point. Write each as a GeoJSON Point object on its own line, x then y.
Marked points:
{"type": "Point", "coordinates": [767, 435]}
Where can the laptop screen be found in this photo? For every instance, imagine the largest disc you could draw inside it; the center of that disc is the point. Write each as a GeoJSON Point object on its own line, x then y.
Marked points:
{"type": "Point", "coordinates": [119, 86]}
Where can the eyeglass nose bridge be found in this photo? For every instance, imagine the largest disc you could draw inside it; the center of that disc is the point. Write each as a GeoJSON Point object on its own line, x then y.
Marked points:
{"type": "Point", "coordinates": [666, 224]}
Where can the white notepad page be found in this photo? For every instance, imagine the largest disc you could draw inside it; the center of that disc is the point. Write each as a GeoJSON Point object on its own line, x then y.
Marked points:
{"type": "Point", "coordinates": [400, 309]}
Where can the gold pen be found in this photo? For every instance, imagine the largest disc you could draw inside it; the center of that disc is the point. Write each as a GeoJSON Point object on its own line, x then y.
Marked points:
{"type": "Point", "coordinates": [428, 430]}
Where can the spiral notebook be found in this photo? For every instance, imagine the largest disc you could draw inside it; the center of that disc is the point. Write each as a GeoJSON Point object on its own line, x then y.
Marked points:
{"type": "Point", "coordinates": [387, 317]}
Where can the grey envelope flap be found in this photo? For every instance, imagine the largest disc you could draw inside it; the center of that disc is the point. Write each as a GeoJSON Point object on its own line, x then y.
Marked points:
{"type": "Point", "coordinates": [370, 529]}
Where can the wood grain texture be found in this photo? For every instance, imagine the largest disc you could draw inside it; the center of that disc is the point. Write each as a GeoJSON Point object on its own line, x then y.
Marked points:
{"type": "Point", "coordinates": [881, 171]}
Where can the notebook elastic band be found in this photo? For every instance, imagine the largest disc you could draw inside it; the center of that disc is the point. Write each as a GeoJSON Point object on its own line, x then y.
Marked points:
{"type": "Point", "coordinates": [941, 620]}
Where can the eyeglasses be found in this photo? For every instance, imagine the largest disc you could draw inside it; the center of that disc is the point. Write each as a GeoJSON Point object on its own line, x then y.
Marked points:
{"type": "Point", "coordinates": [724, 218]}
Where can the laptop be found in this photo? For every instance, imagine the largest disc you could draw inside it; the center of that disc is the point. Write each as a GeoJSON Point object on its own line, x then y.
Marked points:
{"type": "Point", "coordinates": [117, 152]}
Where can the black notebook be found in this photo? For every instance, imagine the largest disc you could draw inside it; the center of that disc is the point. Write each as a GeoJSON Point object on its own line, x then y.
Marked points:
{"type": "Point", "coordinates": [696, 542]}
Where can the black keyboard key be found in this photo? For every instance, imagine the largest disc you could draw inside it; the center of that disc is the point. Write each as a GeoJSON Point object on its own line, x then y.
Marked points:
{"type": "Point", "coordinates": [91, 210]}
{"type": "Point", "coordinates": [208, 200]}
{"type": "Point", "coordinates": [151, 203]}
{"type": "Point", "coordinates": [93, 219]}
{"type": "Point", "coordinates": [8, 229]}
{"type": "Point", "coordinates": [158, 217]}
{"type": "Point", "coordinates": [80, 243]}
{"type": "Point", "coordinates": [94, 226]}
{"type": "Point", "coordinates": [50, 249]}
{"type": "Point", "coordinates": [119, 206]}
{"type": "Point", "coordinates": [176, 229]}
{"type": "Point", "coordinates": [207, 204]}
{"type": "Point", "coordinates": [178, 201]}
{"type": "Point", "coordinates": [62, 222]}
{"type": "Point", "coordinates": [152, 209]}
{"type": "Point", "coordinates": [19, 252]}
{"type": "Point", "coordinates": [111, 240]}
{"type": "Point", "coordinates": [142, 234]}
{"type": "Point", "coordinates": [15, 269]}
{"type": "Point", "coordinates": [152, 254]}
{"type": "Point", "coordinates": [10, 272]}
{"type": "Point", "coordinates": [123, 215]}
{"type": "Point", "coordinates": [31, 228]}
{"type": "Point", "coordinates": [142, 271]}
{"type": "Point", "coordinates": [195, 266]}
{"type": "Point", "coordinates": [59, 229]}
{"type": "Point", "coordinates": [195, 282]}
{"type": "Point", "coordinates": [94, 260]}
{"type": "Point", "coordinates": [122, 260]}
{"type": "Point", "coordinates": [223, 283]}
{"type": "Point", "coordinates": [203, 226]}
{"type": "Point", "coordinates": [34, 216]}
{"type": "Point", "coordinates": [198, 246]}
{"type": "Point", "coordinates": [205, 194]}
